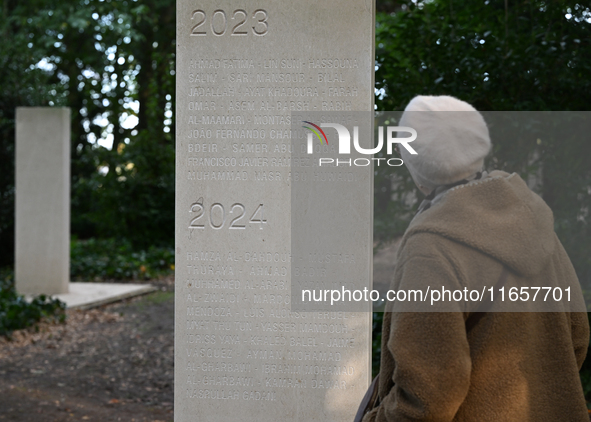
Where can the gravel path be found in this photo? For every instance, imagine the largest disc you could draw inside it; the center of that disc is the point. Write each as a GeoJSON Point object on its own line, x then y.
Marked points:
{"type": "Point", "coordinates": [114, 363]}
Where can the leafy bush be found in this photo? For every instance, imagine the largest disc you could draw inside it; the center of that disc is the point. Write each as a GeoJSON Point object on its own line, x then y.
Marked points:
{"type": "Point", "coordinates": [132, 198]}
{"type": "Point", "coordinates": [89, 260]}
{"type": "Point", "coordinates": [17, 313]}
{"type": "Point", "coordinates": [529, 56]}
{"type": "Point", "coordinates": [116, 259]}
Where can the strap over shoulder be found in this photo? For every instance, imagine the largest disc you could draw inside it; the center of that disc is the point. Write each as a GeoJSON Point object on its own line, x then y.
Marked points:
{"type": "Point", "coordinates": [370, 400]}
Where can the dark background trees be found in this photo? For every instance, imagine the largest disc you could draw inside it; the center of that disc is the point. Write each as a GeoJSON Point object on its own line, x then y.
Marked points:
{"type": "Point", "coordinates": [497, 55]}
{"type": "Point", "coordinates": [112, 62]}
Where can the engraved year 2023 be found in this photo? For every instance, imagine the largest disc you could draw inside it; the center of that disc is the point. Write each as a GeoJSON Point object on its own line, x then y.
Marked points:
{"type": "Point", "coordinates": [237, 23]}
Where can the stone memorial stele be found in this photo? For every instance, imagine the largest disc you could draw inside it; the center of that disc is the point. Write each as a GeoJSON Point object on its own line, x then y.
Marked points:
{"type": "Point", "coordinates": [243, 71]}
{"type": "Point", "coordinates": [42, 208]}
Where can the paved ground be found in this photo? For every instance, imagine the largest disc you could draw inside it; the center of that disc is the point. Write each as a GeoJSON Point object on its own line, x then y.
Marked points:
{"type": "Point", "coordinates": [114, 363]}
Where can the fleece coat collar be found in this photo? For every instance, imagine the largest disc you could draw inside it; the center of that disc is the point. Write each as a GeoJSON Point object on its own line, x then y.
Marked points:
{"type": "Point", "coordinates": [499, 216]}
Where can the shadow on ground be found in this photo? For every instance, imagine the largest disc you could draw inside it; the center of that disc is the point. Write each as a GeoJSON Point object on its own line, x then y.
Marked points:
{"type": "Point", "coordinates": [114, 363]}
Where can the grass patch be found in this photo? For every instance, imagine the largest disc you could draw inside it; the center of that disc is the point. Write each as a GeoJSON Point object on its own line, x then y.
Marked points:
{"type": "Point", "coordinates": [160, 297]}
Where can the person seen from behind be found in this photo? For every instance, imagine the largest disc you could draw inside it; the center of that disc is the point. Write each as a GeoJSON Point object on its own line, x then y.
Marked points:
{"type": "Point", "coordinates": [463, 362]}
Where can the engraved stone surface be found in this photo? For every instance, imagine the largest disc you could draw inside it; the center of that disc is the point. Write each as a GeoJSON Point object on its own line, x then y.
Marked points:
{"type": "Point", "coordinates": [42, 209]}
{"type": "Point", "coordinates": [243, 70]}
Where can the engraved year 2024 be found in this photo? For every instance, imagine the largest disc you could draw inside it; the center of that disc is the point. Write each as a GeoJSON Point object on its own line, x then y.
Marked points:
{"type": "Point", "coordinates": [216, 216]}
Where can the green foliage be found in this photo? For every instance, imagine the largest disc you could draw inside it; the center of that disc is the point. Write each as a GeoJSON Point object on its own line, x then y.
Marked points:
{"type": "Point", "coordinates": [117, 259]}
{"type": "Point", "coordinates": [531, 56]}
{"type": "Point", "coordinates": [109, 61]}
{"type": "Point", "coordinates": [90, 259]}
{"type": "Point", "coordinates": [17, 313]}
{"type": "Point", "coordinates": [527, 57]}
{"type": "Point", "coordinates": [136, 197]}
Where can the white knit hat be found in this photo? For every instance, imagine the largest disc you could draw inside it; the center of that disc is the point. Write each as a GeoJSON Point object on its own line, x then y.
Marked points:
{"type": "Point", "coordinates": [452, 140]}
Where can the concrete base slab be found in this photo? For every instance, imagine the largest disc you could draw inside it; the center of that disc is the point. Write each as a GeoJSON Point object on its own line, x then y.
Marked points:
{"type": "Point", "coordinates": [89, 295]}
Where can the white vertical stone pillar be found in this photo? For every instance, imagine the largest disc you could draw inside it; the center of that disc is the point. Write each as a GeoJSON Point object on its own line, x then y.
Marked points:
{"type": "Point", "coordinates": [242, 70]}
{"type": "Point", "coordinates": [42, 209]}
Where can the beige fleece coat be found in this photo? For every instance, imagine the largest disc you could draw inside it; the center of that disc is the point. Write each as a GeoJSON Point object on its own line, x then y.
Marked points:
{"type": "Point", "coordinates": [474, 366]}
